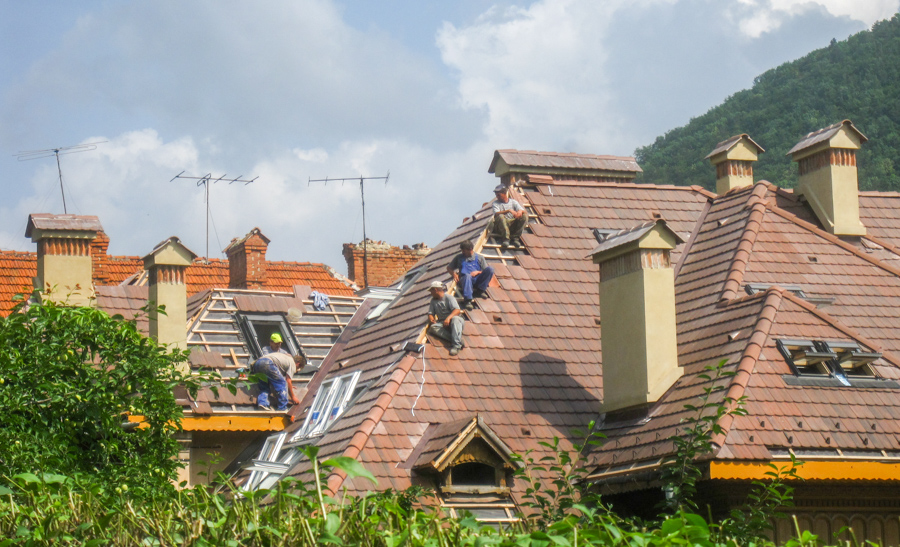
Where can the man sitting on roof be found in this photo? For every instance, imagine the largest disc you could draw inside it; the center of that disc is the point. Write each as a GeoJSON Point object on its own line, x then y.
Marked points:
{"type": "Point", "coordinates": [274, 346]}
{"type": "Point", "coordinates": [279, 369]}
{"type": "Point", "coordinates": [471, 273]}
{"type": "Point", "coordinates": [444, 317]}
{"type": "Point", "coordinates": [510, 218]}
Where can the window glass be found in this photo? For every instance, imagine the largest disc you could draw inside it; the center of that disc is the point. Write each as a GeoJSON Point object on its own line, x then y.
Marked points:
{"type": "Point", "coordinates": [330, 402]}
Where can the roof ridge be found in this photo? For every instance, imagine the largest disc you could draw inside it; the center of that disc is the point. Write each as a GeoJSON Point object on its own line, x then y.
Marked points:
{"type": "Point", "coordinates": [833, 239]}
{"type": "Point", "coordinates": [365, 428]}
{"type": "Point", "coordinates": [738, 386]}
{"type": "Point", "coordinates": [566, 154]}
{"type": "Point", "coordinates": [757, 206]}
{"type": "Point", "coordinates": [607, 184]}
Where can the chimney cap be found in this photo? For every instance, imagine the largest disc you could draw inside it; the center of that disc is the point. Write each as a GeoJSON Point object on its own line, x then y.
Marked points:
{"type": "Point", "coordinates": [38, 223]}
{"type": "Point", "coordinates": [169, 252]}
{"type": "Point", "coordinates": [237, 241]}
{"type": "Point", "coordinates": [825, 134]}
{"type": "Point", "coordinates": [639, 237]}
{"type": "Point", "coordinates": [731, 142]}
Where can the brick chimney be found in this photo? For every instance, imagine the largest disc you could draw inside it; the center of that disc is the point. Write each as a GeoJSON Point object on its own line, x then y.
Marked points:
{"type": "Point", "coordinates": [64, 256]}
{"type": "Point", "coordinates": [386, 263]}
{"type": "Point", "coordinates": [637, 315]}
{"type": "Point", "coordinates": [828, 178]}
{"type": "Point", "coordinates": [734, 159]}
{"type": "Point", "coordinates": [247, 261]}
{"type": "Point", "coordinates": [166, 266]}
{"type": "Point", "coordinates": [100, 258]}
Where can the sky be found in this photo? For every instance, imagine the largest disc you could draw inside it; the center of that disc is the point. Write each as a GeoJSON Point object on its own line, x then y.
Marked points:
{"type": "Point", "coordinates": [288, 91]}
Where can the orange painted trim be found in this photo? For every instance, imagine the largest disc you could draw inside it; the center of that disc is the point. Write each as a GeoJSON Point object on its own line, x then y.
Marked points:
{"type": "Point", "coordinates": [810, 470]}
{"type": "Point", "coordinates": [234, 423]}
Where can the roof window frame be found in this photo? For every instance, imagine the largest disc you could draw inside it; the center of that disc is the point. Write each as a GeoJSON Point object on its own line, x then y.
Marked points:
{"type": "Point", "coordinates": [248, 330]}
{"type": "Point", "coordinates": [333, 398]}
{"type": "Point", "coordinates": [822, 358]}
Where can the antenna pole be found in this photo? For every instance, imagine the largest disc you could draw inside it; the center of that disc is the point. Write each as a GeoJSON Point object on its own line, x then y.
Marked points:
{"type": "Point", "coordinates": [62, 150]}
{"type": "Point", "coordinates": [362, 196]}
{"type": "Point", "coordinates": [61, 189]}
{"type": "Point", "coordinates": [205, 181]}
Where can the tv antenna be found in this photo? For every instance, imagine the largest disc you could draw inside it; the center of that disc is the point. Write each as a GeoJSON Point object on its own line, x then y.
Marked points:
{"type": "Point", "coordinates": [61, 151]}
{"type": "Point", "coordinates": [362, 195]}
{"type": "Point", "coordinates": [205, 181]}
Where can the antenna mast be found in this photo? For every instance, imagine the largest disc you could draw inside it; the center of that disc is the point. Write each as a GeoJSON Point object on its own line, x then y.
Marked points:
{"type": "Point", "coordinates": [205, 181]}
{"type": "Point", "coordinates": [362, 195]}
{"type": "Point", "coordinates": [61, 151]}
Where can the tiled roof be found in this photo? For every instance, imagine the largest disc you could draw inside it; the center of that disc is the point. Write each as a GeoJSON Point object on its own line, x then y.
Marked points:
{"type": "Point", "coordinates": [532, 366]}
{"type": "Point", "coordinates": [17, 271]}
{"type": "Point", "coordinates": [558, 160]}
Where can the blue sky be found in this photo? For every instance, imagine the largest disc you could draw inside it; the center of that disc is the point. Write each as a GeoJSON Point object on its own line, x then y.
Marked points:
{"type": "Point", "coordinates": [292, 90]}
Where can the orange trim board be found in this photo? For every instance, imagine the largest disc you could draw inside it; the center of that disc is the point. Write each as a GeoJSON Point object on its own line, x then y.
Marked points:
{"type": "Point", "coordinates": [228, 423]}
{"type": "Point", "coordinates": [810, 470]}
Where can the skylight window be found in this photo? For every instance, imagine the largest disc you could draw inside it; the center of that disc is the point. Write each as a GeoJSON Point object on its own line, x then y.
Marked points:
{"type": "Point", "coordinates": [257, 328]}
{"type": "Point", "coordinates": [267, 468]}
{"type": "Point", "coordinates": [828, 359]}
{"type": "Point", "coordinates": [388, 295]}
{"type": "Point", "coordinates": [330, 402]}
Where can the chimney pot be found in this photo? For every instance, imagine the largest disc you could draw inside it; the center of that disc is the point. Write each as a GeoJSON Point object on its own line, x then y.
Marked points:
{"type": "Point", "coordinates": [733, 159]}
{"type": "Point", "coordinates": [166, 265]}
{"type": "Point", "coordinates": [64, 256]}
{"type": "Point", "coordinates": [247, 261]}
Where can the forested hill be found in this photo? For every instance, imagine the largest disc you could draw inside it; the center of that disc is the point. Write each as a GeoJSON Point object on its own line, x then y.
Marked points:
{"type": "Point", "coordinates": [857, 79]}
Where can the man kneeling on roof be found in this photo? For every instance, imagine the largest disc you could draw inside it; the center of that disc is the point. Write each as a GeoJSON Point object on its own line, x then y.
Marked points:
{"type": "Point", "coordinates": [278, 369]}
{"type": "Point", "coordinates": [471, 273]}
{"type": "Point", "coordinates": [510, 219]}
{"type": "Point", "coordinates": [444, 317]}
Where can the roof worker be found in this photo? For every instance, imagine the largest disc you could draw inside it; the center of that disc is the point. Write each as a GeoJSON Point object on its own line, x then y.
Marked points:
{"type": "Point", "coordinates": [444, 317]}
{"type": "Point", "coordinates": [278, 369]}
{"type": "Point", "coordinates": [510, 219]}
{"type": "Point", "coordinates": [274, 346]}
{"type": "Point", "coordinates": [471, 272]}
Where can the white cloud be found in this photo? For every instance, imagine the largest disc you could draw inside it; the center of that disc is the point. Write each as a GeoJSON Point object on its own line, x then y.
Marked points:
{"type": "Point", "coordinates": [756, 17]}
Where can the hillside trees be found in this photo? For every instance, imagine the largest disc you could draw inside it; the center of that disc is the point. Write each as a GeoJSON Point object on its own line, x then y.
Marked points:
{"type": "Point", "coordinates": [858, 78]}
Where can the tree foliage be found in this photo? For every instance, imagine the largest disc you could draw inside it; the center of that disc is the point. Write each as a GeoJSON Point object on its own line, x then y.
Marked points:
{"type": "Point", "coordinates": [69, 380]}
{"type": "Point", "coordinates": [858, 78]}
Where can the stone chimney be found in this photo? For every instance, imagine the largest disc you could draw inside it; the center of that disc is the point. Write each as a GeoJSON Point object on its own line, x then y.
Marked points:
{"type": "Point", "coordinates": [386, 263]}
{"type": "Point", "coordinates": [64, 256]}
{"type": "Point", "coordinates": [637, 315]}
{"type": "Point", "coordinates": [247, 261]}
{"type": "Point", "coordinates": [734, 159]}
{"type": "Point", "coordinates": [166, 266]}
{"type": "Point", "coordinates": [828, 178]}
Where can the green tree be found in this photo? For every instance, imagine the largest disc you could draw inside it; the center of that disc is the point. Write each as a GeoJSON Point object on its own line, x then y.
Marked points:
{"type": "Point", "coordinates": [70, 378]}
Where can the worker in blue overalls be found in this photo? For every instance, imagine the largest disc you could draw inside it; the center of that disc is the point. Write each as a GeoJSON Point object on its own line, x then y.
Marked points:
{"type": "Point", "coordinates": [471, 273]}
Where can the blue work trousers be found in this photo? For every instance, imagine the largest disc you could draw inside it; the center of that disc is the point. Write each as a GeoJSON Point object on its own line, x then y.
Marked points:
{"type": "Point", "coordinates": [468, 284]}
{"type": "Point", "coordinates": [274, 383]}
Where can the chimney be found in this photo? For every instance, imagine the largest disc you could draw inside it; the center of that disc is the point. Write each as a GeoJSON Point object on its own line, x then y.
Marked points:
{"type": "Point", "coordinates": [99, 258]}
{"type": "Point", "coordinates": [64, 256]}
{"type": "Point", "coordinates": [386, 263]}
{"type": "Point", "coordinates": [166, 266]}
{"type": "Point", "coordinates": [734, 159]}
{"type": "Point", "coordinates": [828, 179]}
{"type": "Point", "coordinates": [637, 314]}
{"type": "Point", "coordinates": [247, 261]}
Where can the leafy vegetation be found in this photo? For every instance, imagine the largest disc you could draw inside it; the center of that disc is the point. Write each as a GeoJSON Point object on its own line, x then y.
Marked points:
{"type": "Point", "coordinates": [69, 380]}
{"type": "Point", "coordinates": [858, 78]}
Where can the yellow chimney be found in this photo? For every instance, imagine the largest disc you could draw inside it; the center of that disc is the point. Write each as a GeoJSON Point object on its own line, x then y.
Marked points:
{"type": "Point", "coordinates": [637, 315]}
{"type": "Point", "coordinates": [166, 266]}
{"type": "Point", "coordinates": [64, 256]}
{"type": "Point", "coordinates": [734, 159]}
{"type": "Point", "coordinates": [828, 178]}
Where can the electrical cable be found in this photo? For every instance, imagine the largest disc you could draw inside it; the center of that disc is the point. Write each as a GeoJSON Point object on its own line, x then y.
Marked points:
{"type": "Point", "coordinates": [421, 386]}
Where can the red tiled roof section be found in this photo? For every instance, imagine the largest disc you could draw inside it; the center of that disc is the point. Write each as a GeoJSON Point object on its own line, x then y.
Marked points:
{"type": "Point", "coordinates": [17, 272]}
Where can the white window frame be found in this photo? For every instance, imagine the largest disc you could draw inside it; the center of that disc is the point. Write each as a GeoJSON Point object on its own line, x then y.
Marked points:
{"type": "Point", "coordinates": [330, 402]}
{"type": "Point", "coordinates": [267, 463]}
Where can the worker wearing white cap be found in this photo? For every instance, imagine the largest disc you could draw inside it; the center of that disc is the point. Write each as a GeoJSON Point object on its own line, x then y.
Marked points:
{"type": "Point", "coordinates": [444, 317]}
